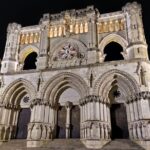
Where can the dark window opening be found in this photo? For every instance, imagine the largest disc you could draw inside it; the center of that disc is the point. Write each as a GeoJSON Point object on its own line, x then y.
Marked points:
{"type": "Point", "coordinates": [30, 61]}
{"type": "Point", "coordinates": [113, 52]}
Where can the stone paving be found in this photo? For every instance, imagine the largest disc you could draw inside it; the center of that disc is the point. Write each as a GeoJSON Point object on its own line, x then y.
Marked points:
{"type": "Point", "coordinates": [71, 144]}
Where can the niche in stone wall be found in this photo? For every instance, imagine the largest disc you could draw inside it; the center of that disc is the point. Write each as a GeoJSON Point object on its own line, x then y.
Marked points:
{"type": "Point", "coordinates": [30, 61]}
{"type": "Point", "coordinates": [113, 52]}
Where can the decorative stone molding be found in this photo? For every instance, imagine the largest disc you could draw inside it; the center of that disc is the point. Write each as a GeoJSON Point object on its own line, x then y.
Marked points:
{"type": "Point", "coordinates": [112, 38]}
{"type": "Point", "coordinates": [37, 131]}
{"type": "Point", "coordinates": [66, 79]}
{"type": "Point", "coordinates": [92, 98]}
{"type": "Point", "coordinates": [104, 81]}
{"type": "Point", "coordinates": [24, 52]}
{"type": "Point", "coordinates": [145, 95]}
{"type": "Point", "coordinates": [28, 86]}
{"type": "Point", "coordinates": [38, 101]}
{"type": "Point", "coordinates": [139, 130]}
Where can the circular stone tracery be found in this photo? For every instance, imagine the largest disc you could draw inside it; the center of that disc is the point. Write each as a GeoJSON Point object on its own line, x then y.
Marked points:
{"type": "Point", "coordinates": [67, 52]}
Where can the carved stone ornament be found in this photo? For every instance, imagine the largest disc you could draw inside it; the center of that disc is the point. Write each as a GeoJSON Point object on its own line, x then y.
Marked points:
{"type": "Point", "coordinates": [67, 52]}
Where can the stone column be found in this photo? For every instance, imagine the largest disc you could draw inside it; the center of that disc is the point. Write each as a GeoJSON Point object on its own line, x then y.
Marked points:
{"type": "Point", "coordinates": [97, 111]}
{"type": "Point", "coordinates": [32, 114]}
{"type": "Point", "coordinates": [102, 113]}
{"type": "Point", "coordinates": [131, 111]}
{"type": "Point", "coordinates": [136, 117]}
{"type": "Point", "coordinates": [68, 123]}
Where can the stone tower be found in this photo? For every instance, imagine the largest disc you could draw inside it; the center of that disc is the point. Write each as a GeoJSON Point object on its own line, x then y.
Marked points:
{"type": "Point", "coordinates": [77, 74]}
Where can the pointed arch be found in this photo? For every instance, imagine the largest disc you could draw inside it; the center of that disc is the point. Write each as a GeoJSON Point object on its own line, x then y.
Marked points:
{"type": "Point", "coordinates": [113, 38]}
{"type": "Point", "coordinates": [16, 90]}
{"type": "Point", "coordinates": [56, 85]}
{"type": "Point", "coordinates": [26, 51]}
{"type": "Point", "coordinates": [125, 82]}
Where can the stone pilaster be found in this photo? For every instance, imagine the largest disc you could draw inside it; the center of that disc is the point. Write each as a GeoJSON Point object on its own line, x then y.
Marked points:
{"type": "Point", "coordinates": [95, 124]}
{"type": "Point", "coordinates": [139, 124]}
{"type": "Point", "coordinates": [42, 62]}
{"type": "Point", "coordinates": [40, 128]}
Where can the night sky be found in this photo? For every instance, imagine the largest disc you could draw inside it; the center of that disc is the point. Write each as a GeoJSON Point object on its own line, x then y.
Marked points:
{"type": "Point", "coordinates": [29, 12]}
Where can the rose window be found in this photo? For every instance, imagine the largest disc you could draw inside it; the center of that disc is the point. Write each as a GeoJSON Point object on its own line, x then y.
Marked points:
{"type": "Point", "coordinates": [68, 51]}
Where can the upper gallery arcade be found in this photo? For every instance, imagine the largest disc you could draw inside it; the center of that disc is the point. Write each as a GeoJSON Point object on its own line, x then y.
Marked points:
{"type": "Point", "coordinates": [74, 38]}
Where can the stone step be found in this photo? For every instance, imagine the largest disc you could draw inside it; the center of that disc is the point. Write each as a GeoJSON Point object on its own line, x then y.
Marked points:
{"type": "Point", "coordinates": [122, 144]}
{"type": "Point", "coordinates": [70, 144]}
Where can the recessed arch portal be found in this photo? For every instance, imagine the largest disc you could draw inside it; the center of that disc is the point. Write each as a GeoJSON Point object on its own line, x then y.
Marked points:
{"type": "Point", "coordinates": [18, 95]}
{"type": "Point", "coordinates": [64, 91]}
{"type": "Point", "coordinates": [115, 87]}
{"type": "Point", "coordinates": [125, 82]}
{"type": "Point", "coordinates": [59, 83]}
{"type": "Point", "coordinates": [17, 90]}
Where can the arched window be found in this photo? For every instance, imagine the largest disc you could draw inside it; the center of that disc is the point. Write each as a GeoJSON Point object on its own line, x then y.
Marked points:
{"type": "Point", "coordinates": [113, 52]}
{"type": "Point", "coordinates": [30, 61]}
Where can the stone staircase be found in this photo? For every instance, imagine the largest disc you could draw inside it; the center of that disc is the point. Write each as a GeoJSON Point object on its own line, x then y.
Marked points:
{"type": "Point", "coordinates": [70, 144]}
{"type": "Point", "coordinates": [122, 144]}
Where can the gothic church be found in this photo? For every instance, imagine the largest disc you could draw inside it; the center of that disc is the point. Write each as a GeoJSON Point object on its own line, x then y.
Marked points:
{"type": "Point", "coordinates": [77, 74]}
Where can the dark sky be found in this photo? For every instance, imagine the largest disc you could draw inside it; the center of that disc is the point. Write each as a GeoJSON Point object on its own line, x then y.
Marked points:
{"type": "Point", "coordinates": [29, 12]}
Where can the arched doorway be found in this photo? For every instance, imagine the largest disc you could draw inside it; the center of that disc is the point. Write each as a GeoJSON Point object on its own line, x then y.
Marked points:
{"type": "Point", "coordinates": [119, 122]}
{"type": "Point", "coordinates": [68, 116]}
{"type": "Point", "coordinates": [30, 61]}
{"type": "Point", "coordinates": [23, 120]}
{"type": "Point", "coordinates": [118, 114]}
{"type": "Point", "coordinates": [113, 52]}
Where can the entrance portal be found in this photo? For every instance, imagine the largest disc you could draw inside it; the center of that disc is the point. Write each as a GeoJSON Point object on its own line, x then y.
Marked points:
{"type": "Point", "coordinates": [75, 122]}
{"type": "Point", "coordinates": [23, 120]}
{"type": "Point", "coordinates": [61, 122]}
{"type": "Point", "coordinates": [119, 122]}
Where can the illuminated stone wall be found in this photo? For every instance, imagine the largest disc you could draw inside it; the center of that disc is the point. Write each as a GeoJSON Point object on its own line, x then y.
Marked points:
{"type": "Point", "coordinates": [70, 57]}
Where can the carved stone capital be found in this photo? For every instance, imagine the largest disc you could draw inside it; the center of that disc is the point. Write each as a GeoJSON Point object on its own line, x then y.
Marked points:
{"type": "Point", "coordinates": [90, 98]}
{"type": "Point", "coordinates": [68, 104]}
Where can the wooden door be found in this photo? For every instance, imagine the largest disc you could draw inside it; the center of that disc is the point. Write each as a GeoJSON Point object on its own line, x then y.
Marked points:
{"type": "Point", "coordinates": [75, 122]}
{"type": "Point", "coordinates": [119, 122]}
{"type": "Point", "coordinates": [22, 126]}
{"type": "Point", "coordinates": [61, 122]}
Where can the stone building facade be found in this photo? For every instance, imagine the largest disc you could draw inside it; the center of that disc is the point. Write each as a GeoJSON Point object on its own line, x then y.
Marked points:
{"type": "Point", "coordinates": [59, 79]}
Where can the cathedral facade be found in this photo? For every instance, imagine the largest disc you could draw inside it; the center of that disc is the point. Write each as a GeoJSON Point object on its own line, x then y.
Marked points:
{"type": "Point", "coordinates": [77, 74]}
